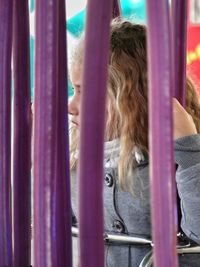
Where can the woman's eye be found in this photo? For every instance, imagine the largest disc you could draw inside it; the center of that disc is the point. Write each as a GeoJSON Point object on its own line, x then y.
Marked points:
{"type": "Point", "coordinates": [76, 90]}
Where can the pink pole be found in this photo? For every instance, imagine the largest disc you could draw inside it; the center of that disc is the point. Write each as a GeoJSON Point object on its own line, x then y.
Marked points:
{"type": "Point", "coordinates": [179, 37]}
{"type": "Point", "coordinates": [52, 211]}
{"type": "Point", "coordinates": [63, 199]}
{"type": "Point", "coordinates": [161, 140]}
{"type": "Point", "coordinates": [116, 10]}
{"type": "Point", "coordinates": [6, 8]}
{"type": "Point", "coordinates": [22, 135]}
{"type": "Point", "coordinates": [92, 133]}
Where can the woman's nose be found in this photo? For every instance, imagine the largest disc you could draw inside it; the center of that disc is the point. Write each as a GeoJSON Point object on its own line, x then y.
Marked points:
{"type": "Point", "coordinates": [72, 107]}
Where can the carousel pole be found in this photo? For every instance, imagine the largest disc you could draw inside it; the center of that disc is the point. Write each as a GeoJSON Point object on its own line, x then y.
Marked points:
{"type": "Point", "coordinates": [161, 136]}
{"type": "Point", "coordinates": [63, 199]}
{"type": "Point", "coordinates": [92, 126]}
{"type": "Point", "coordinates": [6, 9]}
{"type": "Point", "coordinates": [179, 46]}
{"type": "Point", "coordinates": [22, 135]}
{"type": "Point", "coordinates": [52, 212]}
{"type": "Point", "coordinates": [116, 10]}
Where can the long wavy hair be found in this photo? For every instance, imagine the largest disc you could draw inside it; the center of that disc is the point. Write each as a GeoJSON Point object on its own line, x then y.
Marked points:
{"type": "Point", "coordinates": [127, 95]}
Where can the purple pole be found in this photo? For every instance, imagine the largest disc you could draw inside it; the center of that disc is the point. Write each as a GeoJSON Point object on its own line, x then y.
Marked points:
{"type": "Point", "coordinates": [44, 129]}
{"type": "Point", "coordinates": [63, 200]}
{"type": "Point", "coordinates": [22, 135]}
{"type": "Point", "coordinates": [179, 37]}
{"type": "Point", "coordinates": [161, 143]}
{"type": "Point", "coordinates": [5, 133]}
{"type": "Point", "coordinates": [92, 133]}
{"type": "Point", "coordinates": [52, 240]}
{"type": "Point", "coordinates": [116, 10]}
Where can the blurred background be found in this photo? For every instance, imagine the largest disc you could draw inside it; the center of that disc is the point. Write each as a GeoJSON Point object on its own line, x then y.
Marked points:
{"type": "Point", "coordinates": [133, 10]}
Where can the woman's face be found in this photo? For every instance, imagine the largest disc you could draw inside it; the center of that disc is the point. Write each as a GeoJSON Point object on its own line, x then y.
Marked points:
{"type": "Point", "coordinates": [74, 102]}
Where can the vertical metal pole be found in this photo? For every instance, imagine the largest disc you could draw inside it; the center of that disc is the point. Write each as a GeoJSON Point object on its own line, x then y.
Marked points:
{"type": "Point", "coordinates": [22, 135]}
{"type": "Point", "coordinates": [52, 209]}
{"type": "Point", "coordinates": [179, 46]}
{"type": "Point", "coordinates": [62, 195]}
{"type": "Point", "coordinates": [116, 10]}
{"type": "Point", "coordinates": [51, 204]}
{"type": "Point", "coordinates": [44, 129]}
{"type": "Point", "coordinates": [161, 140]}
{"type": "Point", "coordinates": [92, 133]}
{"type": "Point", "coordinates": [6, 8]}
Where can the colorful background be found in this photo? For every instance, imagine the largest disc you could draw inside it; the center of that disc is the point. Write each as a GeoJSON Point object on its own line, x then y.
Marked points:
{"type": "Point", "coordinates": [131, 9]}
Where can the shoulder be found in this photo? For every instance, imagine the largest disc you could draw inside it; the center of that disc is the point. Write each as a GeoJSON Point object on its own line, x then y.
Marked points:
{"type": "Point", "coordinates": [187, 151]}
{"type": "Point", "coordinates": [188, 143]}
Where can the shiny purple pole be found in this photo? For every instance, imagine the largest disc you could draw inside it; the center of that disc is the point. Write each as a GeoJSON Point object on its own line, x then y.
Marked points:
{"type": "Point", "coordinates": [22, 135]}
{"type": "Point", "coordinates": [179, 37]}
{"type": "Point", "coordinates": [62, 195]}
{"type": "Point", "coordinates": [6, 8]}
{"type": "Point", "coordinates": [116, 10]}
{"type": "Point", "coordinates": [92, 133]}
{"type": "Point", "coordinates": [161, 139]}
{"type": "Point", "coordinates": [52, 212]}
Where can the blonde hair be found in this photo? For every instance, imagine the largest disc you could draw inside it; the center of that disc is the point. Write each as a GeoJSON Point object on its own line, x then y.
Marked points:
{"type": "Point", "coordinates": [193, 103]}
{"type": "Point", "coordinates": [127, 95]}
